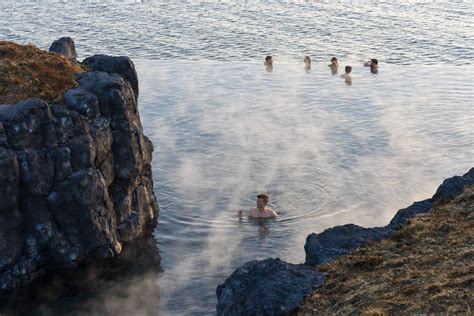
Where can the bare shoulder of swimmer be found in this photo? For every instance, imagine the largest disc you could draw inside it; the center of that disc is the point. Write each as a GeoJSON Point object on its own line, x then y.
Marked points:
{"type": "Point", "coordinates": [274, 214]}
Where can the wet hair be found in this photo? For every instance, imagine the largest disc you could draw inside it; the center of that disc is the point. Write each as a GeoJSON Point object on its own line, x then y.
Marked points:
{"type": "Point", "coordinates": [307, 59]}
{"type": "Point", "coordinates": [334, 58]}
{"type": "Point", "coordinates": [374, 61]}
{"type": "Point", "coordinates": [263, 196]}
{"type": "Point", "coordinates": [348, 69]}
{"type": "Point", "coordinates": [268, 58]}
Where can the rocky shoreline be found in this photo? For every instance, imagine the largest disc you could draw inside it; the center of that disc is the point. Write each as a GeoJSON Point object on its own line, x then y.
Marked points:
{"type": "Point", "coordinates": [274, 287]}
{"type": "Point", "coordinates": [75, 176]}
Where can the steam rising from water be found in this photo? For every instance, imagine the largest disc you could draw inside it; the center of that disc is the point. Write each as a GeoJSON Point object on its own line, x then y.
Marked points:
{"type": "Point", "coordinates": [326, 153]}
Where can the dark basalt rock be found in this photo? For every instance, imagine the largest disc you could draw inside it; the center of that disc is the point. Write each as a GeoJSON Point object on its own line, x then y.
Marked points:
{"type": "Point", "coordinates": [452, 187]}
{"type": "Point", "coordinates": [336, 241]}
{"type": "Point", "coordinates": [421, 207]}
{"type": "Point", "coordinates": [121, 65]}
{"type": "Point", "coordinates": [75, 178]}
{"type": "Point", "coordinates": [64, 46]}
{"type": "Point", "coordinates": [340, 240]}
{"type": "Point", "coordinates": [267, 287]}
{"type": "Point", "coordinates": [128, 281]}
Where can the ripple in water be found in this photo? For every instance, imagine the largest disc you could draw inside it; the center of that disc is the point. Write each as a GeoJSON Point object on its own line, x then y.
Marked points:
{"type": "Point", "coordinates": [435, 32]}
{"type": "Point", "coordinates": [327, 154]}
{"type": "Point", "coordinates": [224, 129]}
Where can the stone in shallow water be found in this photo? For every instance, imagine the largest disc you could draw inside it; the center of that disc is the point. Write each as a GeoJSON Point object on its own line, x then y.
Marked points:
{"type": "Point", "coordinates": [267, 287]}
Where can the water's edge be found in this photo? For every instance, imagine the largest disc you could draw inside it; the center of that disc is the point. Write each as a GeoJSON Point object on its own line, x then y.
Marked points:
{"type": "Point", "coordinates": [239, 293]}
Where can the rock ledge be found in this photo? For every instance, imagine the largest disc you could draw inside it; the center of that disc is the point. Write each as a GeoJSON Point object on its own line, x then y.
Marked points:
{"type": "Point", "coordinates": [75, 177]}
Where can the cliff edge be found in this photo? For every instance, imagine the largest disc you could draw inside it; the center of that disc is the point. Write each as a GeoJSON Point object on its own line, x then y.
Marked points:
{"type": "Point", "coordinates": [75, 173]}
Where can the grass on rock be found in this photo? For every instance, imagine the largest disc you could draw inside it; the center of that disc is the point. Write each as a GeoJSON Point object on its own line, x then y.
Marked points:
{"type": "Point", "coordinates": [427, 267]}
{"type": "Point", "coordinates": [28, 72]}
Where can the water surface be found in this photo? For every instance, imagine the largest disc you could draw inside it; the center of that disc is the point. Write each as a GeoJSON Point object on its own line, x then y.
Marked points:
{"type": "Point", "coordinates": [224, 129]}
{"type": "Point", "coordinates": [400, 32]}
{"type": "Point", "coordinates": [327, 154]}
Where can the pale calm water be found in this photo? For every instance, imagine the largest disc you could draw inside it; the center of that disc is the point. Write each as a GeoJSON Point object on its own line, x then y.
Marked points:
{"type": "Point", "coordinates": [224, 129]}
{"type": "Point", "coordinates": [327, 154]}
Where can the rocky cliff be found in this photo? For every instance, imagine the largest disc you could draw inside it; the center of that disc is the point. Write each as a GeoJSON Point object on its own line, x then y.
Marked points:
{"type": "Point", "coordinates": [75, 175]}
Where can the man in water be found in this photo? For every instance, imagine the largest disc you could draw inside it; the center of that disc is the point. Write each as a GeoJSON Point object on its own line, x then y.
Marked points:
{"type": "Point", "coordinates": [373, 64]}
{"type": "Point", "coordinates": [261, 211]}
{"type": "Point", "coordinates": [334, 64]}
{"type": "Point", "coordinates": [269, 63]}
{"type": "Point", "coordinates": [307, 63]}
{"type": "Point", "coordinates": [347, 75]}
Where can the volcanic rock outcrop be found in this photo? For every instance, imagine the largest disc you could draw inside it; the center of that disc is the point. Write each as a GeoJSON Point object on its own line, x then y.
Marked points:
{"type": "Point", "coordinates": [266, 287]}
{"type": "Point", "coordinates": [75, 176]}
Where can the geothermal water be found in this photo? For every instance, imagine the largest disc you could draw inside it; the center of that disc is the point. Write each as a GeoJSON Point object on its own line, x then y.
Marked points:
{"type": "Point", "coordinates": [224, 129]}
{"type": "Point", "coordinates": [327, 154]}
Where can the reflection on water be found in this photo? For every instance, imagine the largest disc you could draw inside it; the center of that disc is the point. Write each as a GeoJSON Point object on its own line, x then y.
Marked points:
{"type": "Point", "coordinates": [263, 230]}
{"type": "Point", "coordinates": [128, 286]}
{"type": "Point", "coordinates": [327, 154]}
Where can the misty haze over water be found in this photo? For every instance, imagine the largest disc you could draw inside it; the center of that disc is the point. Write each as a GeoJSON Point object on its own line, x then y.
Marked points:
{"type": "Point", "coordinates": [224, 129]}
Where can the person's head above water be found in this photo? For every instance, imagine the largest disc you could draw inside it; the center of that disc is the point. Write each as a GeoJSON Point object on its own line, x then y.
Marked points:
{"type": "Point", "coordinates": [374, 62]}
{"type": "Point", "coordinates": [348, 69]}
{"type": "Point", "coordinates": [268, 61]}
{"type": "Point", "coordinates": [307, 60]}
{"type": "Point", "coordinates": [262, 211]}
{"type": "Point", "coordinates": [334, 61]}
{"type": "Point", "coordinates": [262, 200]}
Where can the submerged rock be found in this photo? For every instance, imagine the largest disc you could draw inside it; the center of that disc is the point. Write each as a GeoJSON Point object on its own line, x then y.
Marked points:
{"type": "Point", "coordinates": [64, 46]}
{"type": "Point", "coordinates": [75, 178]}
{"type": "Point", "coordinates": [267, 287]}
